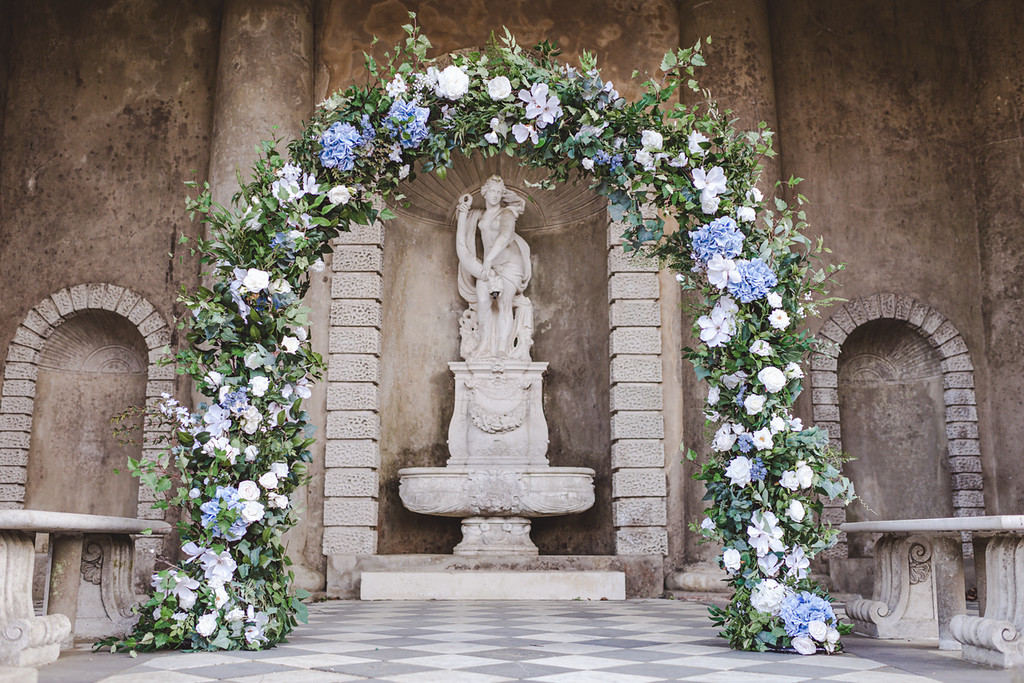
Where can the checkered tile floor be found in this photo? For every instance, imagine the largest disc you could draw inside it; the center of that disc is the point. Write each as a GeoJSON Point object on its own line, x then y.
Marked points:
{"type": "Point", "coordinates": [640, 641]}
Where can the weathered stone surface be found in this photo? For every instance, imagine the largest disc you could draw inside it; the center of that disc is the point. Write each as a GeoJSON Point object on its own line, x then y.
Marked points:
{"type": "Point", "coordinates": [16, 404]}
{"type": "Point", "coordinates": [965, 463]}
{"type": "Point", "coordinates": [359, 340]}
{"type": "Point", "coordinates": [361, 234]}
{"type": "Point", "coordinates": [968, 482]}
{"type": "Point", "coordinates": [353, 368]}
{"type": "Point", "coordinates": [353, 424]}
{"type": "Point", "coordinates": [824, 380]}
{"type": "Point", "coordinates": [825, 395]}
{"type": "Point", "coordinates": [645, 512]}
{"type": "Point", "coordinates": [962, 430]}
{"type": "Point", "coordinates": [362, 454]}
{"type": "Point", "coordinates": [641, 541]}
{"type": "Point", "coordinates": [347, 482]}
{"type": "Point", "coordinates": [356, 313]}
{"type": "Point", "coordinates": [15, 423]}
{"type": "Point", "coordinates": [349, 540]}
{"type": "Point", "coordinates": [635, 341]}
{"type": "Point", "coordinates": [968, 499]}
{"type": "Point", "coordinates": [635, 313]}
{"type": "Point", "coordinates": [826, 412]}
{"type": "Point", "coordinates": [14, 439]}
{"type": "Point", "coordinates": [649, 453]}
{"type": "Point", "coordinates": [638, 425]}
{"type": "Point", "coordinates": [635, 369]}
{"type": "Point", "coordinates": [350, 512]}
{"type": "Point", "coordinates": [352, 396]}
{"type": "Point", "coordinates": [629, 396]}
{"type": "Point", "coordinates": [356, 286]}
{"type": "Point", "coordinates": [621, 262]}
{"type": "Point", "coordinates": [961, 414]}
{"type": "Point", "coordinates": [633, 286]}
{"type": "Point", "coordinates": [958, 380]}
{"type": "Point", "coordinates": [493, 585]}
{"type": "Point", "coordinates": [17, 457]}
{"type": "Point", "coordinates": [638, 483]}
{"type": "Point", "coordinates": [953, 347]}
{"type": "Point", "coordinates": [19, 370]}
{"type": "Point", "coordinates": [358, 258]}
{"type": "Point", "coordinates": [961, 363]}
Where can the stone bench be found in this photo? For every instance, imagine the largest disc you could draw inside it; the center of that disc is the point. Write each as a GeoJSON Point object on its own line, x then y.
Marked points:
{"type": "Point", "coordinates": [919, 585]}
{"type": "Point", "coordinates": [89, 582]}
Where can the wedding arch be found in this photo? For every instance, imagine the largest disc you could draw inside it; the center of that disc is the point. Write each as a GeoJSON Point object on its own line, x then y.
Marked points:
{"type": "Point", "coordinates": [233, 463]}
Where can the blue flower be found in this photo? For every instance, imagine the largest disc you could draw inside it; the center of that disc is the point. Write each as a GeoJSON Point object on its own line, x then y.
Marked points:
{"type": "Point", "coordinates": [225, 498]}
{"type": "Point", "coordinates": [744, 443]}
{"type": "Point", "coordinates": [721, 236]}
{"type": "Point", "coordinates": [408, 122]}
{"type": "Point", "coordinates": [757, 469]}
{"type": "Point", "coordinates": [339, 144]}
{"type": "Point", "coordinates": [800, 609]}
{"type": "Point", "coordinates": [235, 401]}
{"type": "Point", "coordinates": [756, 280]}
{"type": "Point", "coordinates": [284, 242]}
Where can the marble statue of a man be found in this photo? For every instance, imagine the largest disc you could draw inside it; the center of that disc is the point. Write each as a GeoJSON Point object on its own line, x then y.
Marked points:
{"type": "Point", "coordinates": [499, 322]}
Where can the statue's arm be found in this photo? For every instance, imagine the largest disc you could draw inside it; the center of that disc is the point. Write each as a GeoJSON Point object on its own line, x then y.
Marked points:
{"type": "Point", "coordinates": [465, 238]}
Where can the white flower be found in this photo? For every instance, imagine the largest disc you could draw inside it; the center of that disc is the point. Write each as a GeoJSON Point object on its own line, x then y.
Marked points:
{"type": "Point", "coordinates": [767, 596]}
{"type": "Point", "coordinates": [779, 319]}
{"type": "Point", "coordinates": [721, 271]}
{"type": "Point", "coordinates": [774, 299]}
{"type": "Point", "coordinates": [794, 371]}
{"type": "Point", "coordinates": [652, 140]}
{"type": "Point", "coordinates": [268, 480]}
{"type": "Point", "coordinates": [804, 645]}
{"type": "Point", "coordinates": [798, 564]}
{"type": "Point", "coordinates": [789, 480]}
{"type": "Point", "coordinates": [738, 471]}
{"type": "Point", "coordinates": [248, 490]}
{"type": "Point", "coordinates": [745, 214]}
{"type": "Point", "coordinates": [290, 344]}
{"type": "Point", "coordinates": [396, 87]}
{"type": "Point", "coordinates": [220, 568]}
{"type": "Point", "coordinates": [724, 439]}
{"type": "Point", "coordinates": [254, 634]}
{"type": "Point", "coordinates": [709, 202]}
{"type": "Point", "coordinates": [733, 380]}
{"type": "Point", "coordinates": [731, 558]}
{"type": "Point", "coordinates": [207, 624]}
{"type": "Point", "coordinates": [251, 451]}
{"type": "Point", "coordinates": [278, 500]}
{"type": "Point", "coordinates": [707, 525]}
{"type": "Point", "coordinates": [804, 474]}
{"type": "Point", "coordinates": [251, 420]}
{"type": "Point", "coordinates": [214, 378]}
{"type": "Point", "coordinates": [795, 511]}
{"type": "Point", "coordinates": [539, 105]}
{"type": "Point", "coordinates": [713, 181]}
{"type": "Point", "coordinates": [773, 379]}
{"type": "Point", "coordinates": [254, 360]}
{"type": "Point", "coordinates": [588, 164]}
{"type": "Point", "coordinates": [193, 551]}
{"type": "Point", "coordinates": [714, 393]}
{"type": "Point", "coordinates": [218, 420]}
{"type": "Point", "coordinates": [693, 144]}
{"type": "Point", "coordinates": [728, 305]}
{"type": "Point", "coordinates": [761, 348]}
{"type": "Point", "coordinates": [237, 614]}
{"type": "Point", "coordinates": [452, 83]}
{"type": "Point", "coordinates": [279, 469]}
{"type": "Point", "coordinates": [754, 195]}
{"type": "Point", "coordinates": [300, 333]}
{"type": "Point", "coordinates": [280, 286]}
{"type": "Point", "coordinates": [777, 424]}
{"type": "Point", "coordinates": [717, 328]}
{"type": "Point", "coordinates": [259, 385]}
{"type": "Point", "coordinates": [252, 511]}
{"type": "Point", "coordinates": [220, 596]}
{"type": "Point", "coordinates": [769, 564]}
{"type": "Point", "coordinates": [521, 133]}
{"type": "Point", "coordinates": [796, 424]}
{"type": "Point", "coordinates": [645, 159]}
{"type": "Point", "coordinates": [832, 635]}
{"type": "Point", "coordinates": [339, 194]}
{"type": "Point", "coordinates": [255, 280]}
{"type": "Point", "coordinates": [403, 172]}
{"type": "Point", "coordinates": [817, 630]}
{"type": "Point", "coordinates": [764, 533]}
{"type": "Point", "coordinates": [317, 266]}
{"type": "Point", "coordinates": [678, 161]}
{"type": "Point", "coordinates": [499, 88]}
{"type": "Point", "coordinates": [193, 493]}
{"type": "Point", "coordinates": [763, 439]}
{"type": "Point", "coordinates": [754, 403]}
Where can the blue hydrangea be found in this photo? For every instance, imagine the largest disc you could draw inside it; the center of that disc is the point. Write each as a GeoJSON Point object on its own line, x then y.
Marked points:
{"type": "Point", "coordinates": [284, 242]}
{"type": "Point", "coordinates": [226, 497]}
{"type": "Point", "coordinates": [339, 143]}
{"type": "Point", "coordinates": [602, 158]}
{"type": "Point", "coordinates": [745, 442]}
{"type": "Point", "coordinates": [408, 122]}
{"type": "Point", "coordinates": [756, 280]}
{"type": "Point", "coordinates": [235, 401]}
{"type": "Point", "coordinates": [800, 609]}
{"type": "Point", "coordinates": [757, 469]}
{"type": "Point", "coordinates": [720, 236]}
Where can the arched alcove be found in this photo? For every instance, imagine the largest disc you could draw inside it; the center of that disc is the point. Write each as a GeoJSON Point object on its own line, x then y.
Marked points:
{"type": "Point", "coordinates": [892, 418]}
{"type": "Point", "coordinates": [93, 367]}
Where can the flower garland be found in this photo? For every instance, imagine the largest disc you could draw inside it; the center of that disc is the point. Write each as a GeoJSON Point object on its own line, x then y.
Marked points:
{"type": "Point", "coordinates": [233, 464]}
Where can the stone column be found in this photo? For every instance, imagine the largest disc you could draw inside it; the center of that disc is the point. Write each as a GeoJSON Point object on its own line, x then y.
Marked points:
{"type": "Point", "coordinates": [740, 77]}
{"type": "Point", "coordinates": [265, 91]}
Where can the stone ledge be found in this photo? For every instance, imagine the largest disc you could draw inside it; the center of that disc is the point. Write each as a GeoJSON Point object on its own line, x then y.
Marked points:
{"type": "Point", "coordinates": [493, 585]}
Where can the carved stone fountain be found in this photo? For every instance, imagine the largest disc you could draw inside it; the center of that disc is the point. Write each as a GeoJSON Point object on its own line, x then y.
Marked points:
{"type": "Point", "coordinates": [498, 476]}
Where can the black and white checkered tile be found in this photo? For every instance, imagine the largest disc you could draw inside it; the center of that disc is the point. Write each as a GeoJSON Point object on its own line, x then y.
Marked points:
{"type": "Point", "coordinates": [558, 642]}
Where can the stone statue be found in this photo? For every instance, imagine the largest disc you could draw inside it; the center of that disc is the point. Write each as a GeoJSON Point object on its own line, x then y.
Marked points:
{"type": "Point", "coordinates": [498, 325]}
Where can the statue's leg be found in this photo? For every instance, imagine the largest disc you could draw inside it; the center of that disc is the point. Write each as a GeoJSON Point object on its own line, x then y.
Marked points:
{"type": "Point", "coordinates": [506, 320]}
{"type": "Point", "coordinates": [484, 319]}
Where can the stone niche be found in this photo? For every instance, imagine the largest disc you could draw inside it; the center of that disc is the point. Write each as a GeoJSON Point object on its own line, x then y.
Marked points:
{"type": "Point", "coordinates": [92, 368]}
{"type": "Point", "coordinates": [566, 230]}
{"type": "Point", "coordinates": [892, 420]}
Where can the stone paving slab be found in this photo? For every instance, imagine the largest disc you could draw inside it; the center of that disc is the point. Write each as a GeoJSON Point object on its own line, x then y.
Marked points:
{"type": "Point", "coordinates": [636, 641]}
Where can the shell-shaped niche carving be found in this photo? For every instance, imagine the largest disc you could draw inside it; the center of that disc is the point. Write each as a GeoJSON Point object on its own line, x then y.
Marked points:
{"type": "Point", "coordinates": [882, 351]}
{"type": "Point", "coordinates": [433, 200]}
{"type": "Point", "coordinates": [96, 341]}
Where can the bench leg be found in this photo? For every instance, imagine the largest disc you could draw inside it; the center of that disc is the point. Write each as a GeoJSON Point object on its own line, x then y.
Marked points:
{"type": "Point", "coordinates": [997, 639]}
{"type": "Point", "coordinates": [25, 639]}
{"type": "Point", "coordinates": [107, 593]}
{"type": "Point", "coordinates": [64, 577]}
{"type": "Point", "coordinates": [950, 593]}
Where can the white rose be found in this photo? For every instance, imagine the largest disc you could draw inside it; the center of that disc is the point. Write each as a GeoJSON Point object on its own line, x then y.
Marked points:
{"type": "Point", "coordinates": [237, 614]}
{"type": "Point", "coordinates": [252, 511]}
{"type": "Point", "coordinates": [339, 195]}
{"type": "Point", "coordinates": [796, 512]}
{"type": "Point", "coordinates": [754, 403]}
{"type": "Point", "coordinates": [817, 630]}
{"type": "Point", "coordinates": [251, 420]}
{"type": "Point", "coordinates": [279, 286]}
{"type": "Point", "coordinates": [805, 475]}
{"type": "Point", "coordinates": [754, 195]}
{"type": "Point", "coordinates": [777, 424]}
{"type": "Point", "coordinates": [761, 348]}
{"type": "Point", "coordinates": [706, 524]}
{"type": "Point", "coordinates": [789, 480]}
{"type": "Point", "coordinates": [772, 378]}
{"type": "Point", "coordinates": [794, 371]}
{"type": "Point", "coordinates": [248, 490]}
{"type": "Point", "coordinates": [499, 88]}
{"type": "Point", "coordinates": [763, 439]}
{"type": "Point", "coordinates": [738, 471]}
{"type": "Point", "coordinates": [832, 635]}
{"type": "Point", "coordinates": [214, 378]}
{"type": "Point", "coordinates": [452, 83]}
{"type": "Point", "coordinates": [194, 493]}
{"type": "Point", "coordinates": [278, 500]}
{"type": "Point", "coordinates": [804, 645]}
{"type": "Point", "coordinates": [652, 141]}
{"type": "Point", "coordinates": [731, 558]}
{"type": "Point", "coordinates": [732, 381]}
{"type": "Point", "coordinates": [767, 596]}
{"type": "Point", "coordinates": [207, 624]}
{"type": "Point", "coordinates": [714, 393]}
{"type": "Point", "coordinates": [268, 480]}
{"type": "Point", "coordinates": [254, 360]}
{"type": "Point", "coordinates": [259, 385]}
{"type": "Point", "coordinates": [724, 439]}
{"type": "Point", "coordinates": [709, 202]}
{"type": "Point", "coordinates": [280, 469]}
{"type": "Point", "coordinates": [796, 424]}
{"type": "Point", "coordinates": [256, 280]}
{"type": "Point", "coordinates": [317, 266]}
{"type": "Point", "coordinates": [774, 299]}
{"type": "Point", "coordinates": [779, 319]}
{"type": "Point", "coordinates": [251, 452]}
{"type": "Point", "coordinates": [745, 214]}
{"type": "Point", "coordinates": [290, 344]}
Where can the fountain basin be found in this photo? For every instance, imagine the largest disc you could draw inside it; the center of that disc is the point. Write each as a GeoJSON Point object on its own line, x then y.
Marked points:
{"type": "Point", "coordinates": [461, 491]}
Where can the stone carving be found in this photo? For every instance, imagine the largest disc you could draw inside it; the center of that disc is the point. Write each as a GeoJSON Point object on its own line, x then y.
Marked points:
{"type": "Point", "coordinates": [498, 475]}
{"type": "Point", "coordinates": [920, 564]}
{"type": "Point", "coordinates": [499, 321]}
{"type": "Point", "coordinates": [92, 563]}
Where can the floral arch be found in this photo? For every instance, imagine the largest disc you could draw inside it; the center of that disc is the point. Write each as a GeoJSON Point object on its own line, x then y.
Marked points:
{"type": "Point", "coordinates": [233, 463]}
